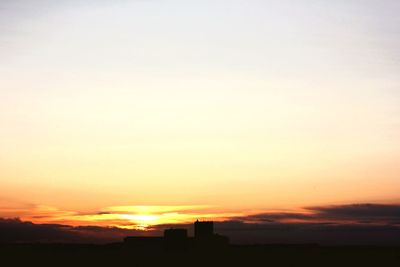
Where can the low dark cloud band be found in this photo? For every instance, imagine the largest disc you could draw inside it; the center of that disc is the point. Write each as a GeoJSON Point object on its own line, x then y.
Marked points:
{"type": "Point", "coordinates": [355, 224]}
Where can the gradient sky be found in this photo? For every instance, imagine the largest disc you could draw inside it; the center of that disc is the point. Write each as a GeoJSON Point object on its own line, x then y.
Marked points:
{"type": "Point", "coordinates": [216, 108]}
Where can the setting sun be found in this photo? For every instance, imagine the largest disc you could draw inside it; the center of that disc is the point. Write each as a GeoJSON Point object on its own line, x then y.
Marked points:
{"type": "Point", "coordinates": [141, 221]}
{"type": "Point", "coordinates": [132, 117]}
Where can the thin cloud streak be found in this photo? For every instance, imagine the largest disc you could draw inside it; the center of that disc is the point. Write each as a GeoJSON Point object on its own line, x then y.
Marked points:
{"type": "Point", "coordinates": [351, 213]}
{"type": "Point", "coordinates": [128, 217]}
{"type": "Point", "coordinates": [145, 217]}
{"type": "Point", "coordinates": [341, 224]}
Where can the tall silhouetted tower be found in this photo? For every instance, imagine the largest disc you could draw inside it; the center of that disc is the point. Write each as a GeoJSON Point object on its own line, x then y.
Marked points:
{"type": "Point", "coordinates": [203, 229]}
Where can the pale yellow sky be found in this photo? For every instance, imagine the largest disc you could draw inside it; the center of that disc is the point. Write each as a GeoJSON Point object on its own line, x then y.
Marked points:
{"type": "Point", "coordinates": [238, 105]}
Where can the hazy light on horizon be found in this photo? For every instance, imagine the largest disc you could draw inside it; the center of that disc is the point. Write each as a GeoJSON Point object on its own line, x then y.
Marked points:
{"type": "Point", "coordinates": [239, 104]}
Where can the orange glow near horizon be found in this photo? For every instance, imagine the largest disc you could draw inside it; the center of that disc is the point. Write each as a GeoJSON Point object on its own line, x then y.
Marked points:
{"type": "Point", "coordinates": [149, 218]}
{"type": "Point", "coordinates": [127, 217]}
{"type": "Point", "coordinates": [133, 114]}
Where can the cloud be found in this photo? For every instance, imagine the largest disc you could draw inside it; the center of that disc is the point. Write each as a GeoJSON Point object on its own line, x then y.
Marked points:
{"type": "Point", "coordinates": [317, 233]}
{"type": "Point", "coordinates": [340, 224]}
{"type": "Point", "coordinates": [377, 224]}
{"type": "Point", "coordinates": [17, 231]}
{"type": "Point", "coordinates": [364, 212]}
{"type": "Point", "coordinates": [351, 213]}
{"type": "Point", "coordinates": [276, 216]}
{"type": "Point", "coordinates": [133, 217]}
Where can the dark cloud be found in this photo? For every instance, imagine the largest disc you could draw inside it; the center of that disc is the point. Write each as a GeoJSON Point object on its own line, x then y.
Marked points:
{"type": "Point", "coordinates": [374, 224]}
{"type": "Point", "coordinates": [316, 233]}
{"type": "Point", "coordinates": [362, 212]}
{"type": "Point", "coordinates": [341, 224]}
{"type": "Point", "coordinates": [14, 230]}
{"type": "Point", "coordinates": [17, 231]}
{"type": "Point", "coordinates": [276, 216]}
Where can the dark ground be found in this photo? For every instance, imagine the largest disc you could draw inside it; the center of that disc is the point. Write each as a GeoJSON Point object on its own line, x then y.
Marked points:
{"type": "Point", "coordinates": [260, 255]}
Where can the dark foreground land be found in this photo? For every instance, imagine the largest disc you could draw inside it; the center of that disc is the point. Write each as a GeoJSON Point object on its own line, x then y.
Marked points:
{"type": "Point", "coordinates": [260, 255]}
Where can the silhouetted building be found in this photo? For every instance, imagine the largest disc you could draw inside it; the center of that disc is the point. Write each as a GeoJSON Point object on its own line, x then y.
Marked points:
{"type": "Point", "coordinates": [204, 237]}
{"type": "Point", "coordinates": [203, 229]}
{"type": "Point", "coordinates": [177, 239]}
{"type": "Point", "coordinates": [175, 233]}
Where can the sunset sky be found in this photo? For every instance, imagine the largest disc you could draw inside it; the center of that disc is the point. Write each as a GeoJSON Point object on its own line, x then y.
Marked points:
{"type": "Point", "coordinates": [137, 113]}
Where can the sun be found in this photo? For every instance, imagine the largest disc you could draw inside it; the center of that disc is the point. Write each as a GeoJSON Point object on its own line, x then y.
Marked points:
{"type": "Point", "coordinates": [141, 221]}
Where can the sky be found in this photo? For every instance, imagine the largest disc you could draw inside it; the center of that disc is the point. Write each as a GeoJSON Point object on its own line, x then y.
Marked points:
{"type": "Point", "coordinates": [132, 114]}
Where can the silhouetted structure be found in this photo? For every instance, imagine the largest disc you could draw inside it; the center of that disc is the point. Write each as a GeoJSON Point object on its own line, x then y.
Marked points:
{"type": "Point", "coordinates": [175, 233]}
{"type": "Point", "coordinates": [177, 239]}
{"type": "Point", "coordinates": [204, 237]}
{"type": "Point", "coordinates": [203, 229]}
